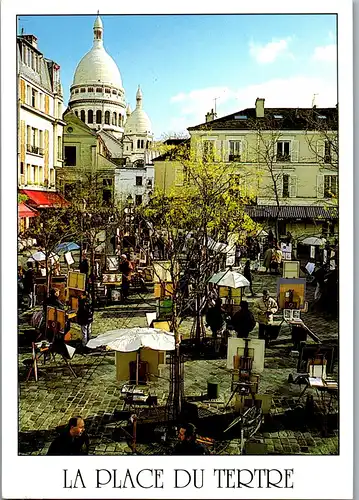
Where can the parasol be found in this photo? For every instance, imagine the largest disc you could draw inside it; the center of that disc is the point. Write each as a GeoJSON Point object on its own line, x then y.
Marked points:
{"type": "Point", "coordinates": [133, 339]}
{"type": "Point", "coordinates": [67, 246]}
{"type": "Point", "coordinates": [40, 256]}
{"type": "Point", "coordinates": [229, 278]}
{"type": "Point", "coordinates": [313, 241]}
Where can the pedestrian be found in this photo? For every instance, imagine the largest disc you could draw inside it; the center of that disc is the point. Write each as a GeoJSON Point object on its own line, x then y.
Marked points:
{"type": "Point", "coordinates": [84, 265]}
{"type": "Point", "coordinates": [85, 318]}
{"type": "Point", "coordinates": [265, 307]}
{"type": "Point", "coordinates": [73, 440]}
{"type": "Point", "coordinates": [267, 258]}
{"type": "Point", "coordinates": [29, 285]}
{"type": "Point", "coordinates": [276, 260]}
{"type": "Point", "coordinates": [243, 321]}
{"type": "Point", "coordinates": [187, 444]}
{"type": "Point", "coordinates": [248, 275]}
{"type": "Point", "coordinates": [214, 317]}
{"type": "Point", "coordinates": [126, 269]}
{"type": "Point", "coordinates": [270, 238]}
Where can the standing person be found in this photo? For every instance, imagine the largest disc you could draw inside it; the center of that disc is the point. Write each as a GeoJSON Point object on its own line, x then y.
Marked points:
{"type": "Point", "coordinates": [72, 441]}
{"type": "Point", "coordinates": [84, 267]}
{"type": "Point", "coordinates": [276, 260]}
{"type": "Point", "coordinates": [187, 444]}
{"type": "Point", "coordinates": [267, 258]}
{"type": "Point", "coordinates": [243, 321]}
{"type": "Point", "coordinates": [85, 318]}
{"type": "Point", "coordinates": [270, 238]}
{"type": "Point", "coordinates": [265, 307]}
{"type": "Point", "coordinates": [126, 269]}
{"type": "Point", "coordinates": [248, 275]}
{"type": "Point", "coordinates": [29, 285]}
{"type": "Point", "coordinates": [237, 255]}
{"type": "Point", "coordinates": [214, 318]}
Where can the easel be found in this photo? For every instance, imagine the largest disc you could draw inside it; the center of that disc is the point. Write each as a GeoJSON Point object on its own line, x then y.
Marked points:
{"type": "Point", "coordinates": [243, 387]}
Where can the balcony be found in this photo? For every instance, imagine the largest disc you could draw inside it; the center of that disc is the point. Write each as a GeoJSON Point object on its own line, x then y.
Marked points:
{"type": "Point", "coordinates": [283, 157]}
{"type": "Point", "coordinates": [34, 150]}
{"type": "Point", "coordinates": [234, 157]}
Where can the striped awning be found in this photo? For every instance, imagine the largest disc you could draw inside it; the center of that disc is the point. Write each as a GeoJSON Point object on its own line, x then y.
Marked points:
{"type": "Point", "coordinates": [292, 212]}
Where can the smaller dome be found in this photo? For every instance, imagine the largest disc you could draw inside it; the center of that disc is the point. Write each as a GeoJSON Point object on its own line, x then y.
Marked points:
{"type": "Point", "coordinates": [138, 122]}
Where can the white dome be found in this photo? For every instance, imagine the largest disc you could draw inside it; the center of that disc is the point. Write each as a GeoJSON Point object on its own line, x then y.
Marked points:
{"type": "Point", "coordinates": [138, 122]}
{"type": "Point", "coordinates": [97, 66]}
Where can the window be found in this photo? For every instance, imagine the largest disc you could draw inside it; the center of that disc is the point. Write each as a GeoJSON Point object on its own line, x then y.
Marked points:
{"type": "Point", "coordinates": [98, 116]}
{"type": "Point", "coordinates": [77, 114]}
{"type": "Point", "coordinates": [83, 115]}
{"type": "Point", "coordinates": [70, 156]}
{"type": "Point", "coordinates": [107, 182]}
{"type": "Point", "coordinates": [34, 140]}
{"type": "Point", "coordinates": [138, 199]}
{"type": "Point", "coordinates": [138, 143]}
{"type": "Point", "coordinates": [28, 94]}
{"type": "Point", "coordinates": [82, 90]}
{"type": "Point", "coordinates": [59, 147]}
{"type": "Point", "coordinates": [90, 89]}
{"type": "Point", "coordinates": [328, 229]}
{"type": "Point", "coordinates": [107, 117]}
{"type": "Point", "coordinates": [114, 92]}
{"type": "Point", "coordinates": [208, 151]}
{"type": "Point", "coordinates": [28, 136]}
{"type": "Point", "coordinates": [106, 196]}
{"type": "Point", "coordinates": [107, 91]}
{"type": "Point", "coordinates": [76, 91]}
{"type": "Point", "coordinates": [285, 193]}
{"type": "Point", "coordinates": [327, 152]}
{"type": "Point", "coordinates": [138, 181]}
{"type": "Point", "coordinates": [90, 116]}
{"type": "Point", "coordinates": [234, 150]}
{"type": "Point", "coordinates": [283, 151]}
{"type": "Point", "coordinates": [52, 177]}
{"type": "Point", "coordinates": [33, 98]}
{"type": "Point", "coordinates": [22, 168]}
{"type": "Point", "coordinates": [36, 174]}
{"type": "Point", "coordinates": [120, 120]}
{"type": "Point", "coordinates": [41, 175]}
{"type": "Point", "coordinates": [29, 173]}
{"type": "Point", "coordinates": [330, 186]}
{"type": "Point", "coordinates": [149, 183]}
{"type": "Point", "coordinates": [114, 119]}
{"type": "Point", "coordinates": [98, 89]}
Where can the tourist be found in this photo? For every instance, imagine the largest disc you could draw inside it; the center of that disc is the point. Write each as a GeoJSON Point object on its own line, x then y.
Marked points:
{"type": "Point", "coordinates": [267, 259]}
{"type": "Point", "coordinates": [187, 444]}
{"type": "Point", "coordinates": [265, 307]}
{"type": "Point", "coordinates": [248, 275]}
{"type": "Point", "coordinates": [276, 260]}
{"type": "Point", "coordinates": [126, 269]}
{"type": "Point", "coordinates": [243, 321]}
{"type": "Point", "coordinates": [85, 318]}
{"type": "Point", "coordinates": [72, 440]}
{"type": "Point", "coordinates": [214, 317]}
{"type": "Point", "coordinates": [29, 285]}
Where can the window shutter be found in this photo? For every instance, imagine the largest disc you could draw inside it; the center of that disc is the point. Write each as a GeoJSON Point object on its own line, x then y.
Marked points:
{"type": "Point", "coordinates": [293, 186]}
{"type": "Point", "coordinates": [295, 151]}
{"type": "Point", "coordinates": [320, 151]}
{"type": "Point", "coordinates": [22, 141]}
{"type": "Point", "coordinates": [22, 91]}
{"type": "Point", "coordinates": [47, 104]}
{"type": "Point", "coordinates": [46, 156]}
{"type": "Point", "coordinates": [279, 185]}
{"type": "Point", "coordinates": [320, 186]}
{"type": "Point", "coordinates": [244, 150]}
{"type": "Point", "coordinates": [218, 153]}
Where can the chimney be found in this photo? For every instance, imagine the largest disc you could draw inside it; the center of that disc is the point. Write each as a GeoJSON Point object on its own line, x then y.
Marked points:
{"type": "Point", "coordinates": [31, 39]}
{"type": "Point", "coordinates": [211, 116]}
{"type": "Point", "coordinates": [260, 107]}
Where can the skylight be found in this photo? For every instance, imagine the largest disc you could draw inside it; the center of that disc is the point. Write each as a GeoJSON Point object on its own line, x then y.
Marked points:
{"type": "Point", "coordinates": [278, 116]}
{"type": "Point", "coordinates": [241, 117]}
{"type": "Point", "coordinates": [322, 117]}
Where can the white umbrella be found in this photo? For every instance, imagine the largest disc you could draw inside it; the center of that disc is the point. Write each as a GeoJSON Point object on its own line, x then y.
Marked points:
{"type": "Point", "coordinates": [229, 278]}
{"type": "Point", "coordinates": [40, 256]}
{"type": "Point", "coordinates": [132, 339]}
{"type": "Point", "coordinates": [313, 241]}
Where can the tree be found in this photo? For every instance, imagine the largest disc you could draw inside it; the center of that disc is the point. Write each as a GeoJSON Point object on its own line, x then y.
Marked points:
{"type": "Point", "coordinates": [205, 208]}
{"type": "Point", "coordinates": [51, 227]}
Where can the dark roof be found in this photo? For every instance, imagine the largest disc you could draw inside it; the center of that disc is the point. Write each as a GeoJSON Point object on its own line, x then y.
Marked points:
{"type": "Point", "coordinates": [292, 212]}
{"type": "Point", "coordinates": [173, 153]}
{"type": "Point", "coordinates": [275, 118]}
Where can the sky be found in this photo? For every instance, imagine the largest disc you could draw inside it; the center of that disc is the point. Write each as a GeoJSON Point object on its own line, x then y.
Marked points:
{"type": "Point", "coordinates": [188, 64]}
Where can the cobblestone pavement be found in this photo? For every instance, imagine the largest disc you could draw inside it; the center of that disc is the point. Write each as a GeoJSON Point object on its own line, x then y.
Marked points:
{"type": "Point", "coordinates": [96, 395]}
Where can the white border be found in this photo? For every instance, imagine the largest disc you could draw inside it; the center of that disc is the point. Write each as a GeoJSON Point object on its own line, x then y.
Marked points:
{"type": "Point", "coordinates": [42, 477]}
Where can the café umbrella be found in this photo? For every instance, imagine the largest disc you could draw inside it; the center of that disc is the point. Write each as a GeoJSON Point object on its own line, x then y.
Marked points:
{"type": "Point", "coordinates": [313, 241]}
{"type": "Point", "coordinates": [230, 279]}
{"type": "Point", "coordinates": [67, 246]}
{"type": "Point", "coordinates": [40, 256]}
{"type": "Point", "coordinates": [133, 339]}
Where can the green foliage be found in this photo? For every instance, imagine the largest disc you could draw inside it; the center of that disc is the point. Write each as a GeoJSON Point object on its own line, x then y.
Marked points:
{"type": "Point", "coordinates": [22, 198]}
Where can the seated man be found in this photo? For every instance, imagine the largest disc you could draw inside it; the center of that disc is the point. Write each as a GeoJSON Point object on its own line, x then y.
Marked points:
{"type": "Point", "coordinates": [187, 444]}
{"type": "Point", "coordinates": [243, 321]}
{"type": "Point", "coordinates": [72, 441]}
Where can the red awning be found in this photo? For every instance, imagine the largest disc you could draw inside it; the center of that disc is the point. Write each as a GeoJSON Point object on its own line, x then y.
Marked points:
{"type": "Point", "coordinates": [24, 211]}
{"type": "Point", "coordinates": [45, 199]}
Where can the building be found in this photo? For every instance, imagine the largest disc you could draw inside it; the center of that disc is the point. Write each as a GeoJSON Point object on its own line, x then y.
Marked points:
{"type": "Point", "coordinates": [97, 98]}
{"type": "Point", "coordinates": [285, 160]}
{"type": "Point", "coordinates": [40, 128]}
